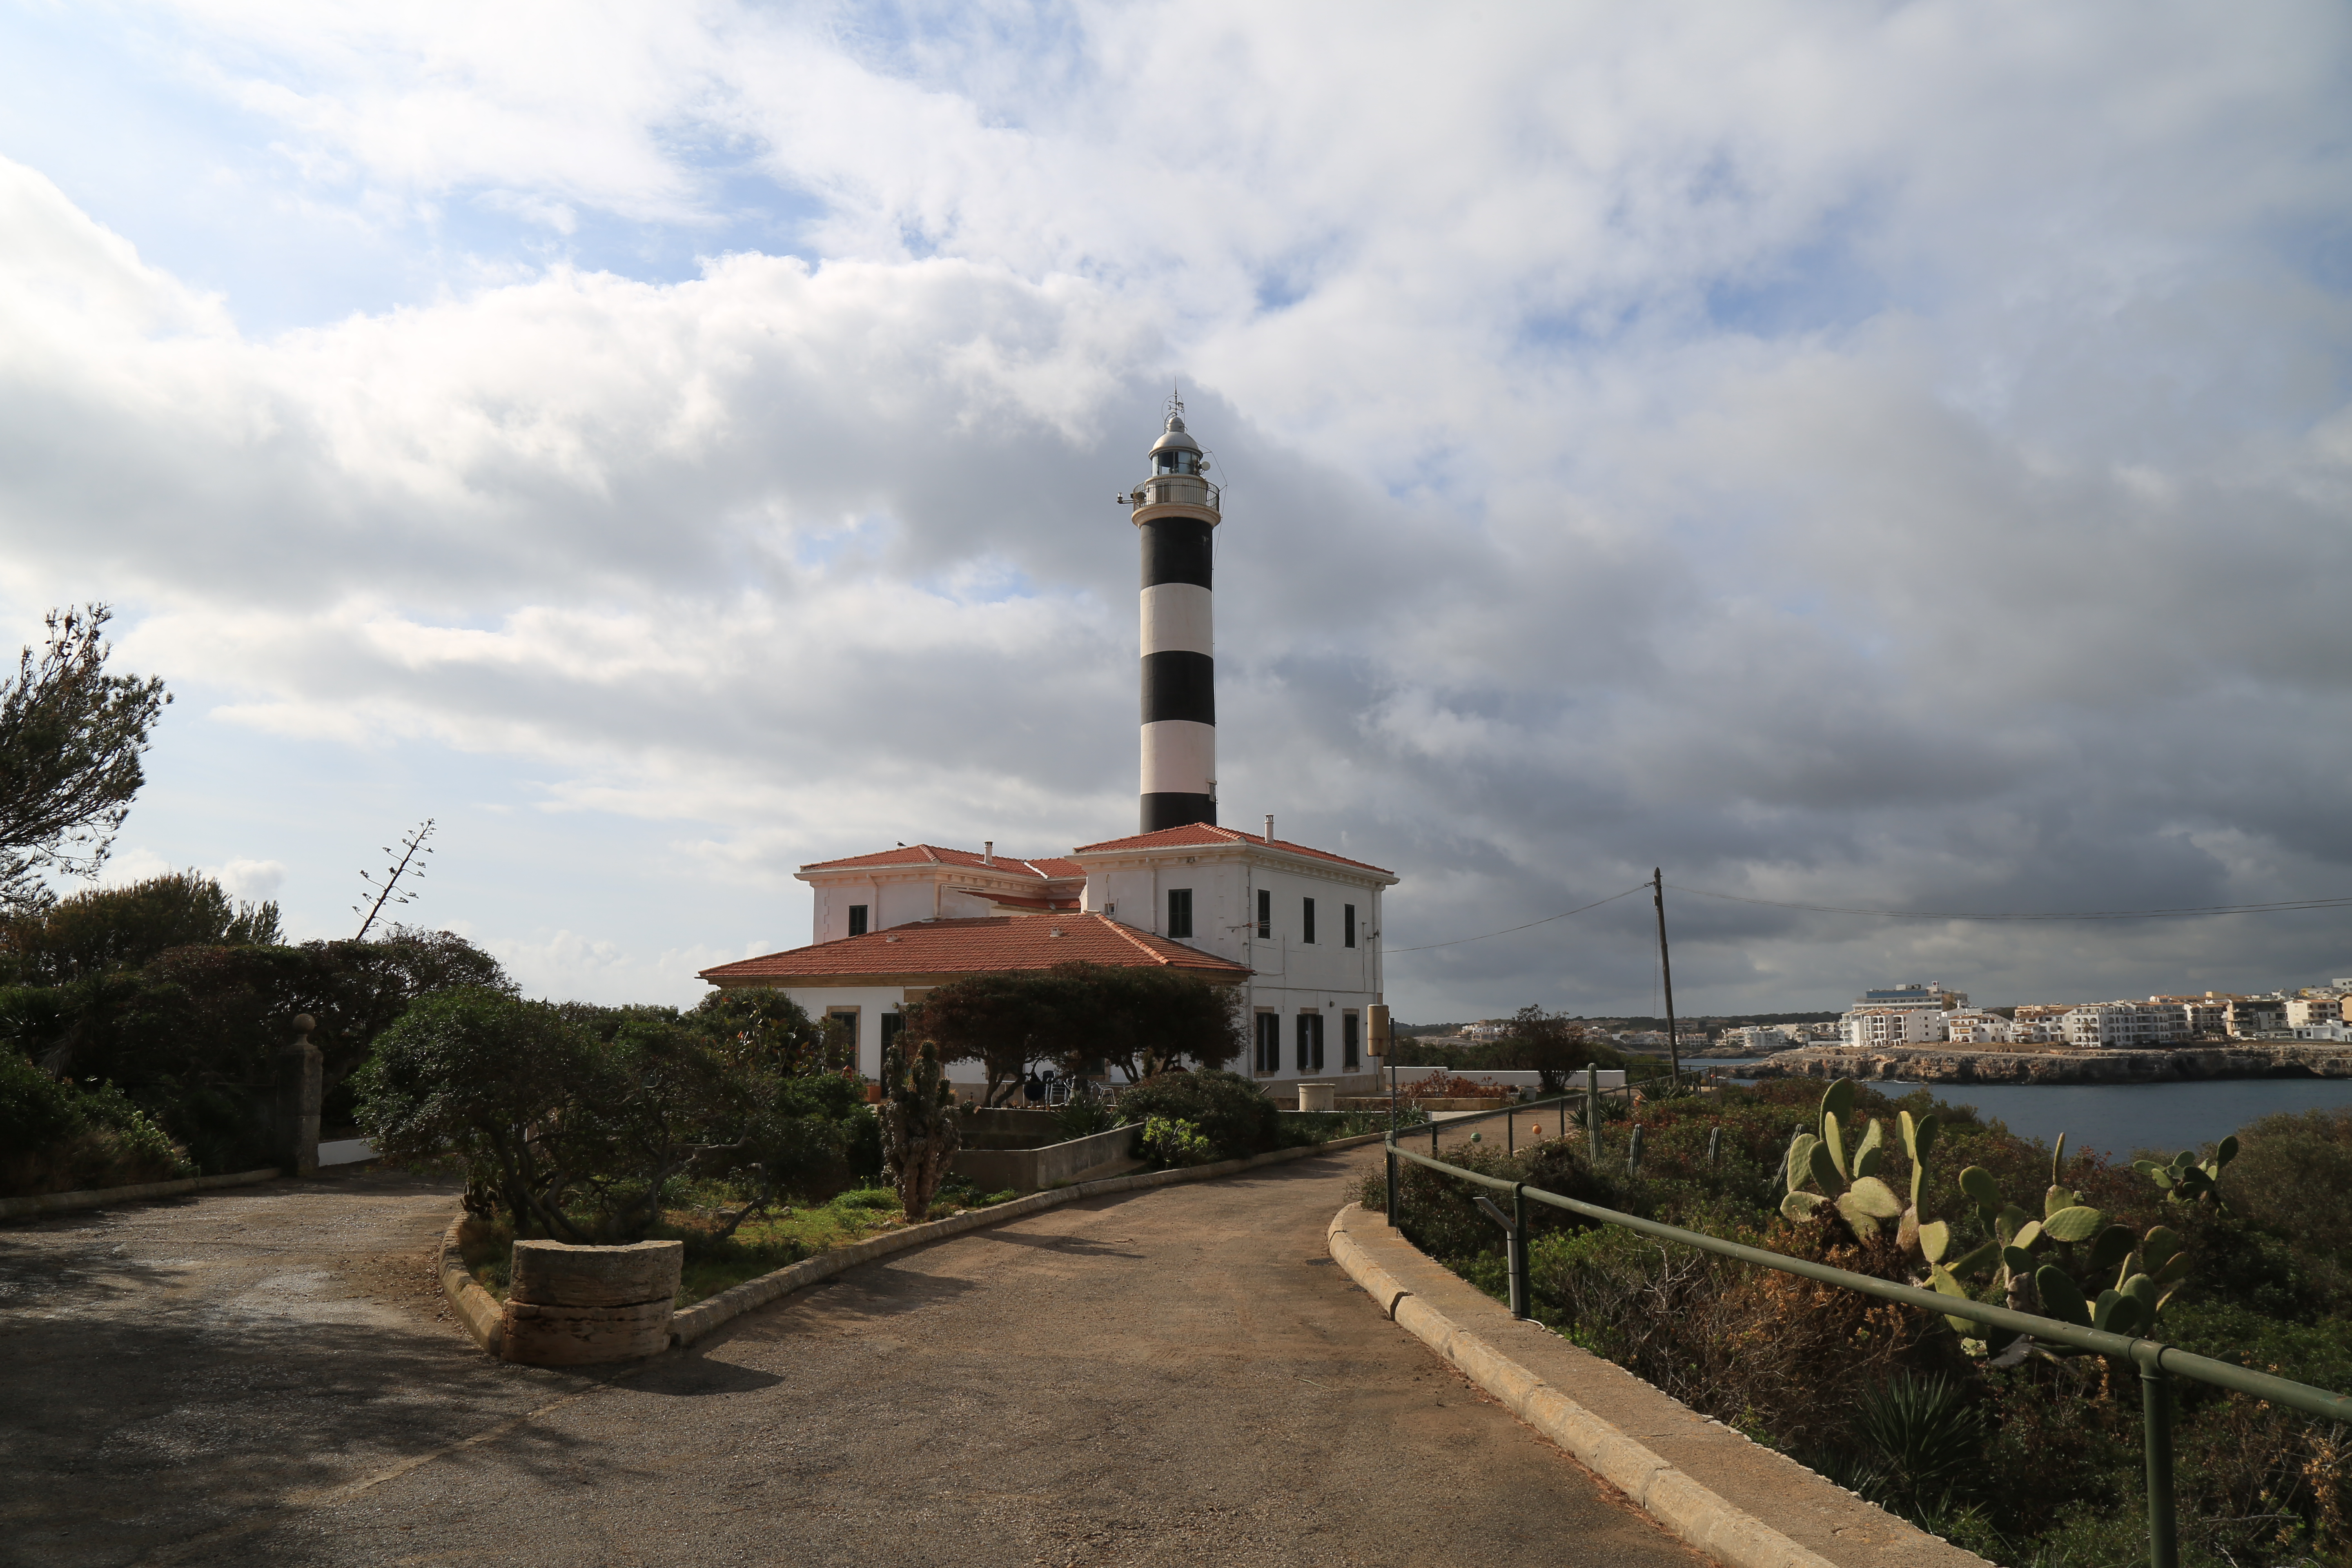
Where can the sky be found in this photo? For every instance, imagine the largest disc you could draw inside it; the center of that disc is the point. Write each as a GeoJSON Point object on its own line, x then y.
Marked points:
{"type": "Point", "coordinates": [1886, 456]}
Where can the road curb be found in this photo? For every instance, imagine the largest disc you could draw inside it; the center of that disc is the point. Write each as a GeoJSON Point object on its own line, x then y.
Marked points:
{"type": "Point", "coordinates": [477, 1309]}
{"type": "Point", "coordinates": [38, 1204]}
{"type": "Point", "coordinates": [695, 1321]}
{"type": "Point", "coordinates": [1725, 1533]}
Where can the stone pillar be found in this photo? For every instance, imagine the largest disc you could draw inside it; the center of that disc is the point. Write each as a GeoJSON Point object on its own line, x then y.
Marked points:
{"type": "Point", "coordinates": [301, 1083]}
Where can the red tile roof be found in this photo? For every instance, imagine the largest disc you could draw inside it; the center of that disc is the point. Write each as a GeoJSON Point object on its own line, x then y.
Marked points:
{"type": "Point", "coordinates": [983, 946]}
{"type": "Point", "coordinates": [1206, 834]}
{"type": "Point", "coordinates": [1048, 867]}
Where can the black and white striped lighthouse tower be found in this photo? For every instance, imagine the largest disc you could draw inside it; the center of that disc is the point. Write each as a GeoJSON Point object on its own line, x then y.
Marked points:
{"type": "Point", "coordinates": [1176, 511]}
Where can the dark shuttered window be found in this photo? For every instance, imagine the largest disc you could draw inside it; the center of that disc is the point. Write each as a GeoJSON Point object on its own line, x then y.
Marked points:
{"type": "Point", "coordinates": [1306, 920]}
{"type": "Point", "coordinates": [1269, 1042]}
{"type": "Point", "coordinates": [1180, 911]}
{"type": "Point", "coordinates": [1351, 1045]}
{"type": "Point", "coordinates": [1311, 1042]}
{"type": "Point", "coordinates": [1346, 925]}
{"type": "Point", "coordinates": [857, 920]}
{"type": "Point", "coordinates": [1264, 913]}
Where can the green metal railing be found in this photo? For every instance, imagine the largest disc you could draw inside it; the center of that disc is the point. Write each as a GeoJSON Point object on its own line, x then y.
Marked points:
{"type": "Point", "coordinates": [2158, 1362]}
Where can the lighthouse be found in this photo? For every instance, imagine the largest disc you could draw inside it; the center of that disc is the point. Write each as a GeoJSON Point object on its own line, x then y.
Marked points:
{"type": "Point", "coordinates": [1176, 513]}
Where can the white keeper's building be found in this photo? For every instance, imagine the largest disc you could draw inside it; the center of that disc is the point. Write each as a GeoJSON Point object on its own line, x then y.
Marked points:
{"type": "Point", "coordinates": [1296, 929]}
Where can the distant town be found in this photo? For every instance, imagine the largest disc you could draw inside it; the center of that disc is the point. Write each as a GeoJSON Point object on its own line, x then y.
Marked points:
{"type": "Point", "coordinates": [1927, 1013]}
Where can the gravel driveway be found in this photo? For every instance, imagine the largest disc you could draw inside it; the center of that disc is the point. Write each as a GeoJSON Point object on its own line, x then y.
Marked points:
{"type": "Point", "coordinates": [1175, 1376]}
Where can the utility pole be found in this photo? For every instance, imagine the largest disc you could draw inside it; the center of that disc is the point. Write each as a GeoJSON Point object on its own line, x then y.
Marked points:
{"type": "Point", "coordinates": [1667, 970]}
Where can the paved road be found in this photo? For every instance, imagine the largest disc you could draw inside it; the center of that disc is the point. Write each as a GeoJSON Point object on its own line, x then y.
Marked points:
{"type": "Point", "coordinates": [1173, 1376]}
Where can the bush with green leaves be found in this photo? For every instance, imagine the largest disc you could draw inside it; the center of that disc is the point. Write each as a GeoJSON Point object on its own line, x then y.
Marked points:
{"type": "Point", "coordinates": [191, 1036]}
{"type": "Point", "coordinates": [577, 1121]}
{"type": "Point", "coordinates": [1169, 1140]}
{"type": "Point", "coordinates": [57, 1136]}
{"type": "Point", "coordinates": [1231, 1113]}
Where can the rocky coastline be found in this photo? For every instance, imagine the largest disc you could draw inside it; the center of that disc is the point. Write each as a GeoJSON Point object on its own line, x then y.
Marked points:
{"type": "Point", "coordinates": [1931, 1064]}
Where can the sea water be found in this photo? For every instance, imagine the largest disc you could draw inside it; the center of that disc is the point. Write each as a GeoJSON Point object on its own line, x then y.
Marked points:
{"type": "Point", "coordinates": [2125, 1117]}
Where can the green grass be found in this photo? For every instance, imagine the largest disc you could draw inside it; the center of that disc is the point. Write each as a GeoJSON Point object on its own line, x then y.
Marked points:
{"type": "Point", "coordinates": [761, 1244]}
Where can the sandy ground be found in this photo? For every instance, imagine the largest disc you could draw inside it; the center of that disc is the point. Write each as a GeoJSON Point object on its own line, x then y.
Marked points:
{"type": "Point", "coordinates": [1179, 1376]}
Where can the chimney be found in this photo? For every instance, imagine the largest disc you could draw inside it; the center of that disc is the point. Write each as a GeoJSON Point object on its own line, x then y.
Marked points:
{"type": "Point", "coordinates": [988, 851]}
{"type": "Point", "coordinates": [1269, 828]}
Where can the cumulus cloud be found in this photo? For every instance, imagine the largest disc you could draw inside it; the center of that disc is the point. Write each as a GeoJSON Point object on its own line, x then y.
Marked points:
{"type": "Point", "coordinates": [1852, 456]}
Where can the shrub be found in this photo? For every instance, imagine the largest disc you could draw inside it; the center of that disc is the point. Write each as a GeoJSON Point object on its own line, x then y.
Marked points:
{"type": "Point", "coordinates": [190, 1035]}
{"type": "Point", "coordinates": [64, 1137]}
{"type": "Point", "coordinates": [1174, 1142]}
{"type": "Point", "coordinates": [1227, 1109]}
{"type": "Point", "coordinates": [1085, 1116]}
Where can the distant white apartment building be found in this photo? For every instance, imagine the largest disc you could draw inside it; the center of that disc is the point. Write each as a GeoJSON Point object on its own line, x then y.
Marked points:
{"type": "Point", "coordinates": [1757, 1037]}
{"type": "Point", "coordinates": [2123, 1025]}
{"type": "Point", "coordinates": [1486, 1029]}
{"type": "Point", "coordinates": [2303, 1012]}
{"type": "Point", "coordinates": [2201, 1016]}
{"type": "Point", "coordinates": [2038, 1024]}
{"type": "Point", "coordinates": [1975, 1026]}
{"type": "Point", "coordinates": [1877, 1027]}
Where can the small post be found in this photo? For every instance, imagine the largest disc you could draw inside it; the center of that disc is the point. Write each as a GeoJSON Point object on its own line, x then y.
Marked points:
{"type": "Point", "coordinates": [1633, 1152]}
{"type": "Point", "coordinates": [301, 1083]}
{"type": "Point", "coordinates": [2156, 1412]}
{"type": "Point", "coordinates": [1715, 1145]}
{"type": "Point", "coordinates": [1519, 1271]}
{"type": "Point", "coordinates": [1509, 1146]}
{"type": "Point", "coordinates": [1432, 1134]}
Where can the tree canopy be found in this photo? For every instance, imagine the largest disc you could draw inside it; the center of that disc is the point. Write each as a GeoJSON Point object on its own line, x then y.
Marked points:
{"type": "Point", "coordinates": [70, 740]}
{"type": "Point", "coordinates": [122, 928]}
{"type": "Point", "coordinates": [1082, 1018]}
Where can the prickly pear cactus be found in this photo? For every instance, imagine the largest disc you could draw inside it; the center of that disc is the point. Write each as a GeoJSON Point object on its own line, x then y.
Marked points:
{"type": "Point", "coordinates": [2185, 1181]}
{"type": "Point", "coordinates": [1849, 1183]}
{"type": "Point", "coordinates": [920, 1132]}
{"type": "Point", "coordinates": [2099, 1276]}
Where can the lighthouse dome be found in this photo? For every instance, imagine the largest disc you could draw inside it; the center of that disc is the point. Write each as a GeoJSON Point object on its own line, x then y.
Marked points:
{"type": "Point", "coordinates": [1177, 439]}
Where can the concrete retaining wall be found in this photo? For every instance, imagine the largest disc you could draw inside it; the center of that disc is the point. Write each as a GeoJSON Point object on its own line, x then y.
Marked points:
{"type": "Point", "coordinates": [1028, 1169]}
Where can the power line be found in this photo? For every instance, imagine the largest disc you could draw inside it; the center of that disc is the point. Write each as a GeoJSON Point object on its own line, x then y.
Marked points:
{"type": "Point", "coordinates": [1506, 930]}
{"type": "Point", "coordinates": [2284, 904]}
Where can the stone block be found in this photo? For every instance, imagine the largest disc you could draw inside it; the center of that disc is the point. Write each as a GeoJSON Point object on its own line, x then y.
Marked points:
{"type": "Point", "coordinates": [581, 1336]}
{"type": "Point", "coordinates": [551, 1274]}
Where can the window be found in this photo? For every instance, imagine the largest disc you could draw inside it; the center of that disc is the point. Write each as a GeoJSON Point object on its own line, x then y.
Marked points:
{"type": "Point", "coordinates": [857, 920]}
{"type": "Point", "coordinates": [1346, 925]}
{"type": "Point", "coordinates": [841, 1035]}
{"type": "Point", "coordinates": [1264, 913]}
{"type": "Point", "coordinates": [1269, 1042]}
{"type": "Point", "coordinates": [894, 1022]}
{"type": "Point", "coordinates": [1306, 920]}
{"type": "Point", "coordinates": [1311, 1042]}
{"type": "Point", "coordinates": [1350, 1043]}
{"type": "Point", "coordinates": [1180, 911]}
